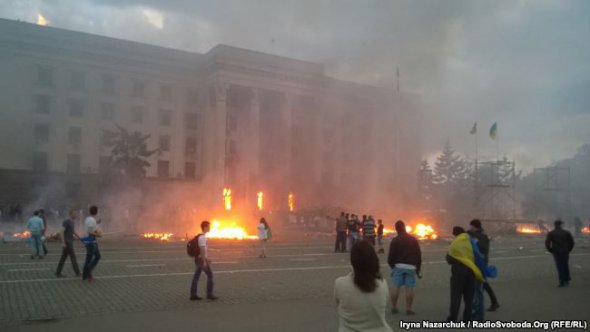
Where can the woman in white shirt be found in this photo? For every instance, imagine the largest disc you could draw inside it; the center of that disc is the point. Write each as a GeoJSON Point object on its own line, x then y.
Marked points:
{"type": "Point", "coordinates": [362, 296]}
{"type": "Point", "coordinates": [263, 236]}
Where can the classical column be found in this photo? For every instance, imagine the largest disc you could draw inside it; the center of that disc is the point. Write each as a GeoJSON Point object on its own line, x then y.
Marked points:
{"type": "Point", "coordinates": [254, 138]}
{"type": "Point", "coordinates": [216, 138]}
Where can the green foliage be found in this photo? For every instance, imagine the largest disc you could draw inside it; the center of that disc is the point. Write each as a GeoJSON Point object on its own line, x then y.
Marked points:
{"type": "Point", "coordinates": [129, 154]}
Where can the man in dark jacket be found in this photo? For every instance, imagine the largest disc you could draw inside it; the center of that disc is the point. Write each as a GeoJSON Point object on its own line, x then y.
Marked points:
{"type": "Point", "coordinates": [483, 243]}
{"type": "Point", "coordinates": [560, 243]}
{"type": "Point", "coordinates": [405, 260]}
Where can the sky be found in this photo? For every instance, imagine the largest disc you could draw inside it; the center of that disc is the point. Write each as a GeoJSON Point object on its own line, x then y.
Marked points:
{"type": "Point", "coordinates": [523, 64]}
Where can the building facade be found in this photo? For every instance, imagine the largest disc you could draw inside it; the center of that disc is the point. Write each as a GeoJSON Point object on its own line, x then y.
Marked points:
{"type": "Point", "coordinates": [229, 118]}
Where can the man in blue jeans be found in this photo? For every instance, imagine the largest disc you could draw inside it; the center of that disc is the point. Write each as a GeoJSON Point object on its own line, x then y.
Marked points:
{"type": "Point", "coordinates": [92, 252]}
{"type": "Point", "coordinates": [35, 227]}
{"type": "Point", "coordinates": [405, 260]}
{"type": "Point", "coordinates": [203, 265]}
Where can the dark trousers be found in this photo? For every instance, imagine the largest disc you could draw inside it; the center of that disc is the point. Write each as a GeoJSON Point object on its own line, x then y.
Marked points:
{"type": "Point", "coordinates": [462, 286]}
{"type": "Point", "coordinates": [340, 241]}
{"type": "Point", "coordinates": [92, 258]}
{"type": "Point", "coordinates": [68, 250]}
{"type": "Point", "coordinates": [197, 275]}
{"type": "Point", "coordinates": [488, 289]}
{"type": "Point", "coordinates": [563, 268]}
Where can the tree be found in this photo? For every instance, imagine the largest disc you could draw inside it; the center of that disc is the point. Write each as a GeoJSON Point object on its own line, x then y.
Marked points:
{"type": "Point", "coordinates": [425, 184]}
{"type": "Point", "coordinates": [450, 168]}
{"type": "Point", "coordinates": [129, 154]}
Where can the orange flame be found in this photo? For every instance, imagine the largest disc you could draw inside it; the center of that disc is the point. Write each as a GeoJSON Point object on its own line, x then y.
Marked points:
{"type": "Point", "coordinates": [219, 230]}
{"type": "Point", "coordinates": [22, 235]}
{"type": "Point", "coordinates": [227, 198]}
{"type": "Point", "coordinates": [291, 202]}
{"type": "Point", "coordinates": [421, 231]}
{"type": "Point", "coordinates": [41, 20]}
{"type": "Point", "coordinates": [157, 236]}
{"type": "Point", "coordinates": [586, 230]}
{"type": "Point", "coordinates": [260, 200]}
{"type": "Point", "coordinates": [528, 229]}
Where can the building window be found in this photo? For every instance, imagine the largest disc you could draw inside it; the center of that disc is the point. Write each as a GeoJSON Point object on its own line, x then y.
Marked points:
{"type": "Point", "coordinates": [108, 111]}
{"type": "Point", "coordinates": [104, 164]}
{"type": "Point", "coordinates": [165, 118]}
{"type": "Point", "coordinates": [165, 93]}
{"type": "Point", "coordinates": [137, 114]}
{"type": "Point", "coordinates": [192, 97]}
{"type": "Point", "coordinates": [43, 104]}
{"type": "Point", "coordinates": [164, 143]}
{"type": "Point", "coordinates": [163, 168]}
{"type": "Point", "coordinates": [108, 84]}
{"type": "Point", "coordinates": [42, 133]}
{"type": "Point", "coordinates": [40, 161]}
{"type": "Point", "coordinates": [75, 135]}
{"type": "Point", "coordinates": [138, 89]}
{"type": "Point", "coordinates": [191, 120]}
{"type": "Point", "coordinates": [44, 76]}
{"type": "Point", "coordinates": [78, 80]}
{"type": "Point", "coordinates": [76, 108]}
{"type": "Point", "coordinates": [190, 170]}
{"type": "Point", "coordinates": [73, 164]}
{"type": "Point", "coordinates": [190, 146]}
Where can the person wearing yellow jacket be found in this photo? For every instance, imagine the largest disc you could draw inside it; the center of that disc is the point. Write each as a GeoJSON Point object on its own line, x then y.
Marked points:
{"type": "Point", "coordinates": [464, 273]}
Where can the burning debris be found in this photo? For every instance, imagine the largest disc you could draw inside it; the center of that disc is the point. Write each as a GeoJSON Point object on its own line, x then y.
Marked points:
{"type": "Point", "coordinates": [420, 231]}
{"type": "Point", "coordinates": [585, 230]}
{"type": "Point", "coordinates": [231, 230]}
{"type": "Point", "coordinates": [528, 229]}
{"type": "Point", "coordinates": [164, 237]}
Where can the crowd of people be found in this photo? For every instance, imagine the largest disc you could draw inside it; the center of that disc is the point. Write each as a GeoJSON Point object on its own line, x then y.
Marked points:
{"type": "Point", "coordinates": [361, 296]}
{"type": "Point", "coordinates": [37, 226]}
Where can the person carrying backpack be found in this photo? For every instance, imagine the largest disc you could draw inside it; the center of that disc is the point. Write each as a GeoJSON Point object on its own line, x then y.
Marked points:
{"type": "Point", "coordinates": [197, 248]}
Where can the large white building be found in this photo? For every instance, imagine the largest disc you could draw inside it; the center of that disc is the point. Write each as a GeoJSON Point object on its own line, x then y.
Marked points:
{"type": "Point", "coordinates": [231, 117]}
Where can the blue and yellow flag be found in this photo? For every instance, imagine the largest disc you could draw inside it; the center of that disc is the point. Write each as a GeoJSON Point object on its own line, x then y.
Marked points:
{"type": "Point", "coordinates": [462, 250]}
{"type": "Point", "coordinates": [494, 130]}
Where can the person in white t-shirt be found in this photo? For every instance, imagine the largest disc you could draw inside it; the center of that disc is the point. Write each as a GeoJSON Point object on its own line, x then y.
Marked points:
{"type": "Point", "coordinates": [203, 265]}
{"type": "Point", "coordinates": [362, 295]}
{"type": "Point", "coordinates": [92, 252]}
{"type": "Point", "coordinates": [263, 232]}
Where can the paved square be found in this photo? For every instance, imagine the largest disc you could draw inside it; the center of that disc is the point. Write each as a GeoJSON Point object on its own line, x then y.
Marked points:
{"type": "Point", "coordinates": [145, 284]}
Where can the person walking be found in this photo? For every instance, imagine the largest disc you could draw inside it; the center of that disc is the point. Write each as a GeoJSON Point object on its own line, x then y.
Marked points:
{"type": "Point", "coordinates": [483, 243]}
{"type": "Point", "coordinates": [263, 232]}
{"type": "Point", "coordinates": [560, 243]}
{"type": "Point", "coordinates": [68, 235]}
{"type": "Point", "coordinates": [464, 274]}
{"type": "Point", "coordinates": [361, 296]}
{"type": "Point", "coordinates": [405, 261]}
{"type": "Point", "coordinates": [92, 252]}
{"type": "Point", "coordinates": [341, 222]}
{"type": "Point", "coordinates": [203, 264]}
{"type": "Point", "coordinates": [43, 217]}
{"type": "Point", "coordinates": [35, 227]}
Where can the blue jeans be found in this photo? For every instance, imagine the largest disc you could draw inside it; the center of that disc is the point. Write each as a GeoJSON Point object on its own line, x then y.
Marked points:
{"type": "Point", "coordinates": [197, 275]}
{"type": "Point", "coordinates": [477, 312]}
{"type": "Point", "coordinates": [92, 258]}
{"type": "Point", "coordinates": [36, 245]}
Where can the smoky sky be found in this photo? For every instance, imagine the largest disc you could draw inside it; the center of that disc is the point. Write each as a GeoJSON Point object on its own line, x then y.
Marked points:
{"type": "Point", "coordinates": [523, 64]}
